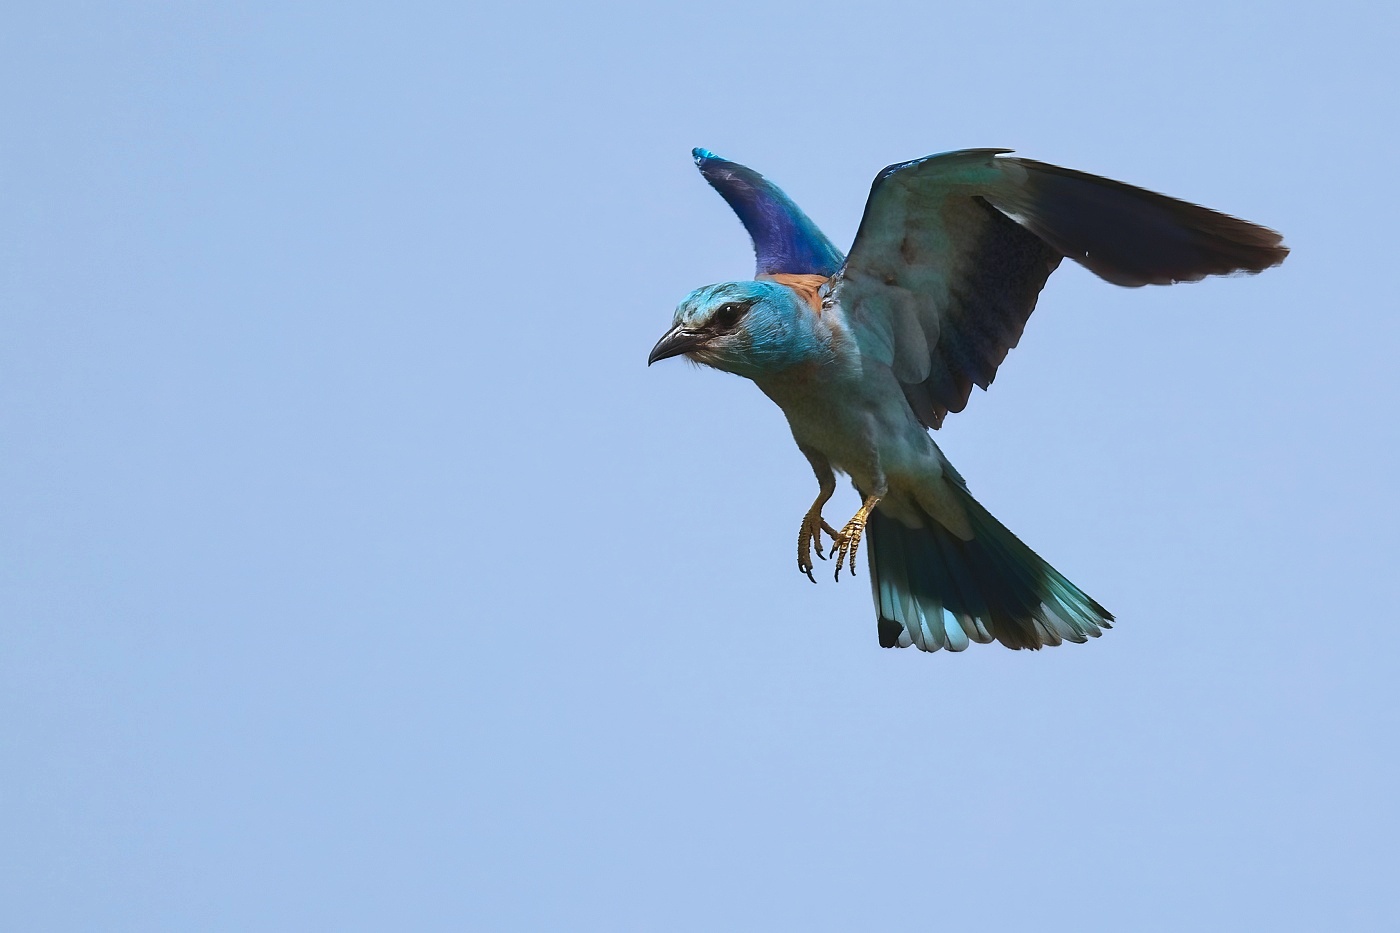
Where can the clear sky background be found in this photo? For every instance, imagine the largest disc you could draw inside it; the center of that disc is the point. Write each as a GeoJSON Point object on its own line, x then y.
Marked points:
{"type": "Point", "coordinates": [356, 573]}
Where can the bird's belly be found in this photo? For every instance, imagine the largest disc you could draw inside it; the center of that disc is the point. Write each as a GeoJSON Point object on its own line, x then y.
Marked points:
{"type": "Point", "coordinates": [865, 431]}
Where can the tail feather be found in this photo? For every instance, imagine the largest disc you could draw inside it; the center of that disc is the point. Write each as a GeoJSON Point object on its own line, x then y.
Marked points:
{"type": "Point", "coordinates": [933, 590]}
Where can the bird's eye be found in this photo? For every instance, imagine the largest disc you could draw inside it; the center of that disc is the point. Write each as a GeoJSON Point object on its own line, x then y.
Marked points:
{"type": "Point", "coordinates": [728, 315]}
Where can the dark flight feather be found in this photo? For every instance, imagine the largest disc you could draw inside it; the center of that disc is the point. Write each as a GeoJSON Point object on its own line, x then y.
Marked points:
{"type": "Point", "coordinates": [1131, 236]}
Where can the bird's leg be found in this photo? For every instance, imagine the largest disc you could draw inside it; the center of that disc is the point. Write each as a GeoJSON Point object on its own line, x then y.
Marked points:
{"type": "Point", "coordinates": [812, 523]}
{"type": "Point", "coordinates": [847, 543]}
{"type": "Point", "coordinates": [811, 534]}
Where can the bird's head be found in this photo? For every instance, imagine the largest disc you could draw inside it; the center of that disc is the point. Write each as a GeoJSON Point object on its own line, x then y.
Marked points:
{"type": "Point", "coordinates": [751, 329]}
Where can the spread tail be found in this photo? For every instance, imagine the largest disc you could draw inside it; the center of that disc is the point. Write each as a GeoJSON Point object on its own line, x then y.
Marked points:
{"type": "Point", "coordinates": [933, 590]}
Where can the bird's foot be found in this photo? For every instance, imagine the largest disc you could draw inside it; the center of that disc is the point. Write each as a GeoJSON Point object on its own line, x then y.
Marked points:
{"type": "Point", "coordinates": [809, 534]}
{"type": "Point", "coordinates": [847, 543]}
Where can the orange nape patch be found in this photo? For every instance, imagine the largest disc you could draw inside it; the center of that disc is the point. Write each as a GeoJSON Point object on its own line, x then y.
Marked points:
{"type": "Point", "coordinates": [807, 285]}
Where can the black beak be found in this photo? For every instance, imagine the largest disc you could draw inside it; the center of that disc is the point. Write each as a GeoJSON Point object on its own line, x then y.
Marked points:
{"type": "Point", "coordinates": [676, 341]}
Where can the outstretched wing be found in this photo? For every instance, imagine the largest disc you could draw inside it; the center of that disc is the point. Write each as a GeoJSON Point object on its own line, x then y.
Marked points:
{"type": "Point", "coordinates": [954, 249]}
{"type": "Point", "coordinates": [785, 241]}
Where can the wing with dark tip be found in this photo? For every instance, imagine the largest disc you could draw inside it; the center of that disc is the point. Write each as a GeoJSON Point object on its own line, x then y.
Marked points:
{"type": "Point", "coordinates": [954, 249]}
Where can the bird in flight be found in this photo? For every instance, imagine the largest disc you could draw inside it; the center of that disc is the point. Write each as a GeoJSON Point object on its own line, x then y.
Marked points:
{"type": "Point", "coordinates": [866, 353]}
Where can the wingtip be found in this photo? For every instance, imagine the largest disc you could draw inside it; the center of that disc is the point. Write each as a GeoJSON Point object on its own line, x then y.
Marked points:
{"type": "Point", "coordinates": [718, 169]}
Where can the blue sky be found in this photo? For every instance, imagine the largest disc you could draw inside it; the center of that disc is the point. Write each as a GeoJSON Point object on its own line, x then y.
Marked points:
{"type": "Point", "coordinates": [358, 574]}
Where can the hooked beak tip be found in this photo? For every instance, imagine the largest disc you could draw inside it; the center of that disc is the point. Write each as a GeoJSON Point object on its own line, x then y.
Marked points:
{"type": "Point", "coordinates": [674, 342]}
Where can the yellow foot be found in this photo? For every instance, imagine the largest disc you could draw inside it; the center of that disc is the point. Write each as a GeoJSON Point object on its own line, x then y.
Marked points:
{"type": "Point", "coordinates": [847, 543]}
{"type": "Point", "coordinates": [811, 533]}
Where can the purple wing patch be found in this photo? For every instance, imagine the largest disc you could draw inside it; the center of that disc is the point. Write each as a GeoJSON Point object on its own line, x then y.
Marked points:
{"type": "Point", "coordinates": [785, 241]}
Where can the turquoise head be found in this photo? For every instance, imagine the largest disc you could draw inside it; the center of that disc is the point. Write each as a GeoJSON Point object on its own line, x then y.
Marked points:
{"type": "Point", "coordinates": [752, 329]}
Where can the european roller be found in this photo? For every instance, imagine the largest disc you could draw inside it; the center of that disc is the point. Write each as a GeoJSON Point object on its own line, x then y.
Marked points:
{"type": "Point", "coordinates": [866, 353]}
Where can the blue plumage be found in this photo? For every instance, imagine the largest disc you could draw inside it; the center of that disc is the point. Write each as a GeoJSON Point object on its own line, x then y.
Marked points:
{"type": "Point", "coordinates": [865, 353]}
{"type": "Point", "coordinates": [785, 241]}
